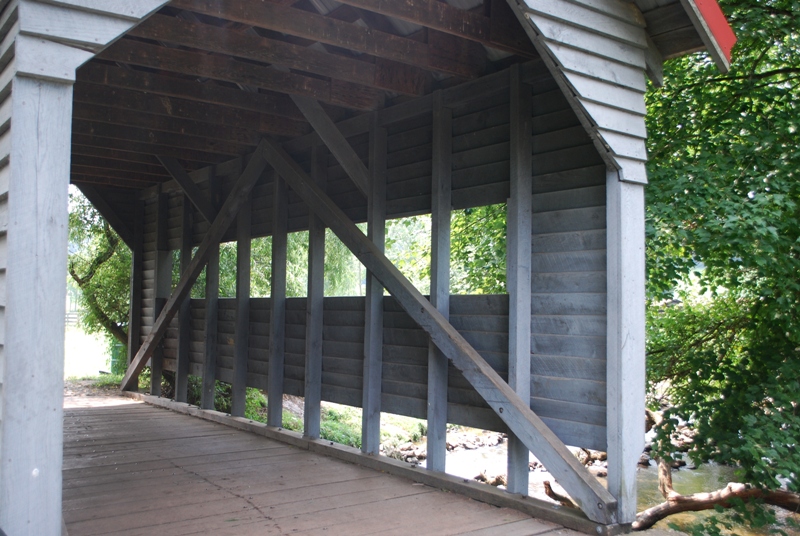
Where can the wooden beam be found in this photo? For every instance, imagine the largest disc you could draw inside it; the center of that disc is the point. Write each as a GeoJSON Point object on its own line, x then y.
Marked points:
{"type": "Point", "coordinates": [595, 501]}
{"type": "Point", "coordinates": [162, 285]}
{"type": "Point", "coordinates": [113, 157]}
{"type": "Point", "coordinates": [242, 330]}
{"type": "Point", "coordinates": [336, 142]}
{"type": "Point", "coordinates": [312, 394]}
{"type": "Point", "coordinates": [116, 173]}
{"type": "Point", "coordinates": [625, 353]}
{"type": "Point", "coordinates": [80, 161]}
{"type": "Point", "coordinates": [251, 46]}
{"type": "Point", "coordinates": [238, 196]}
{"type": "Point", "coordinates": [117, 183]}
{"type": "Point", "coordinates": [326, 30]}
{"type": "Point", "coordinates": [137, 276]}
{"type": "Point", "coordinates": [107, 211]}
{"type": "Point", "coordinates": [160, 139]}
{"type": "Point", "coordinates": [189, 187]}
{"type": "Point", "coordinates": [373, 312]}
{"type": "Point", "coordinates": [143, 119]}
{"type": "Point", "coordinates": [452, 98]}
{"type": "Point", "coordinates": [229, 70]}
{"type": "Point", "coordinates": [208, 92]}
{"type": "Point", "coordinates": [131, 100]}
{"type": "Point", "coordinates": [184, 313]}
{"type": "Point", "coordinates": [441, 205]}
{"type": "Point", "coordinates": [277, 325]}
{"type": "Point", "coordinates": [210, 333]}
{"type": "Point", "coordinates": [470, 25]}
{"type": "Point", "coordinates": [92, 144]}
{"type": "Point", "coordinates": [518, 269]}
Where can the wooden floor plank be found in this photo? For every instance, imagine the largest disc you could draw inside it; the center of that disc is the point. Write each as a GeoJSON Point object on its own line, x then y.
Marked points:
{"type": "Point", "coordinates": [523, 527]}
{"type": "Point", "coordinates": [134, 469]}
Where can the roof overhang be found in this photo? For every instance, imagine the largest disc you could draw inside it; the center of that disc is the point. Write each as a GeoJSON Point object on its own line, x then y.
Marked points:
{"type": "Point", "coordinates": [680, 27]}
{"type": "Point", "coordinates": [714, 30]}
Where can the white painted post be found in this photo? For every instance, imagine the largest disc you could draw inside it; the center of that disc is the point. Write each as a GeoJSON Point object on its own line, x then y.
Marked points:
{"type": "Point", "coordinates": [518, 269]}
{"type": "Point", "coordinates": [626, 340]}
{"type": "Point", "coordinates": [33, 353]}
{"type": "Point", "coordinates": [33, 252]}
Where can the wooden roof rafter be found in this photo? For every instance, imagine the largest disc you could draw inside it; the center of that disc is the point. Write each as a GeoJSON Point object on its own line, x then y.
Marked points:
{"type": "Point", "coordinates": [243, 61]}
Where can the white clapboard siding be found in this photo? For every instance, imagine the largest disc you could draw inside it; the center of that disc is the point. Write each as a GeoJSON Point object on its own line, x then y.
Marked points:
{"type": "Point", "coordinates": [42, 43]}
{"type": "Point", "coordinates": [8, 30]}
{"type": "Point", "coordinates": [605, 18]}
{"type": "Point", "coordinates": [134, 10]}
{"type": "Point", "coordinates": [89, 25]}
{"type": "Point", "coordinates": [597, 49]}
{"type": "Point", "coordinates": [67, 25]}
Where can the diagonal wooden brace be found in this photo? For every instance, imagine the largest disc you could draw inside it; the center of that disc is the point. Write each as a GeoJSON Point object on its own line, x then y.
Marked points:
{"type": "Point", "coordinates": [333, 138]}
{"type": "Point", "coordinates": [595, 501]}
{"type": "Point", "coordinates": [238, 197]}
{"type": "Point", "coordinates": [189, 187]}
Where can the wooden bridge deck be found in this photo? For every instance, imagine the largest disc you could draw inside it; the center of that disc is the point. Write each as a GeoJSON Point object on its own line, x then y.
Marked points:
{"type": "Point", "coordinates": [130, 468]}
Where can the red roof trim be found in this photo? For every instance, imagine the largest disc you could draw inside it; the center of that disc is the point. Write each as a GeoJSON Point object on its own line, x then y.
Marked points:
{"type": "Point", "coordinates": [718, 24]}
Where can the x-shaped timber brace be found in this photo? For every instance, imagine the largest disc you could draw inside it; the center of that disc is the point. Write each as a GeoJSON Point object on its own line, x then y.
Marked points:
{"type": "Point", "coordinates": [593, 499]}
{"type": "Point", "coordinates": [236, 199]}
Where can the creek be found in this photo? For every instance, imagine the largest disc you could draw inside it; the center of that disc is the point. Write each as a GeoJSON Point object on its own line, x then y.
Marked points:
{"type": "Point", "coordinates": [708, 477]}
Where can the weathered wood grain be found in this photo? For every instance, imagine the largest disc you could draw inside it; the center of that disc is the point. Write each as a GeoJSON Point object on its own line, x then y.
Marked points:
{"type": "Point", "coordinates": [373, 302]}
{"type": "Point", "coordinates": [519, 267]}
{"type": "Point", "coordinates": [596, 502]}
{"type": "Point", "coordinates": [241, 331]}
{"type": "Point", "coordinates": [226, 216]}
{"type": "Point", "coordinates": [626, 339]}
{"type": "Point", "coordinates": [441, 203]}
{"type": "Point", "coordinates": [315, 308]}
{"type": "Point", "coordinates": [277, 332]}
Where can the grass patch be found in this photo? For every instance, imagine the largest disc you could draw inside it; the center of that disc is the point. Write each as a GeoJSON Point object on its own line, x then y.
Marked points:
{"type": "Point", "coordinates": [340, 424]}
{"type": "Point", "coordinates": [112, 381]}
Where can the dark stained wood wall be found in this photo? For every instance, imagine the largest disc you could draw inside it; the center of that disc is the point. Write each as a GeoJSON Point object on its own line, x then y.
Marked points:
{"type": "Point", "coordinates": [568, 283]}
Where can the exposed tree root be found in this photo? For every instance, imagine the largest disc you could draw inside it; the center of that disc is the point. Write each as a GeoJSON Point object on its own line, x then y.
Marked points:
{"type": "Point", "coordinates": [563, 499]}
{"type": "Point", "coordinates": [676, 503]}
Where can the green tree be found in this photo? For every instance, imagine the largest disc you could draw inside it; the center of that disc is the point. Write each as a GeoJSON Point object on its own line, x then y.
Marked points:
{"type": "Point", "coordinates": [478, 263]}
{"type": "Point", "coordinates": [99, 263]}
{"type": "Point", "coordinates": [723, 242]}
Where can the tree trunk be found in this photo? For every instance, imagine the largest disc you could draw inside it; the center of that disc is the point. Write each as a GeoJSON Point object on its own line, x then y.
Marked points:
{"type": "Point", "coordinates": [696, 502]}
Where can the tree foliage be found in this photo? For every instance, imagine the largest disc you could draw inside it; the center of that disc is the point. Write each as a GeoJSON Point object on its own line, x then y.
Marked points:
{"type": "Point", "coordinates": [99, 263]}
{"type": "Point", "coordinates": [478, 263]}
{"type": "Point", "coordinates": [723, 242]}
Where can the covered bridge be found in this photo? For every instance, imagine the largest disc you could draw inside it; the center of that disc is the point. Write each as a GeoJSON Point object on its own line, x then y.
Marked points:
{"type": "Point", "coordinates": [194, 122]}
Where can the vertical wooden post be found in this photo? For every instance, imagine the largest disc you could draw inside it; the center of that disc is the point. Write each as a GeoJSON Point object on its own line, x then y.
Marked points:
{"type": "Point", "coordinates": [162, 285]}
{"type": "Point", "coordinates": [518, 269]}
{"type": "Point", "coordinates": [185, 314]}
{"type": "Point", "coordinates": [373, 328]}
{"type": "Point", "coordinates": [242, 330]}
{"type": "Point", "coordinates": [137, 275]}
{"type": "Point", "coordinates": [626, 339]}
{"type": "Point", "coordinates": [212, 311]}
{"type": "Point", "coordinates": [34, 292]}
{"type": "Point", "coordinates": [277, 328]}
{"type": "Point", "coordinates": [441, 205]}
{"type": "Point", "coordinates": [314, 305]}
